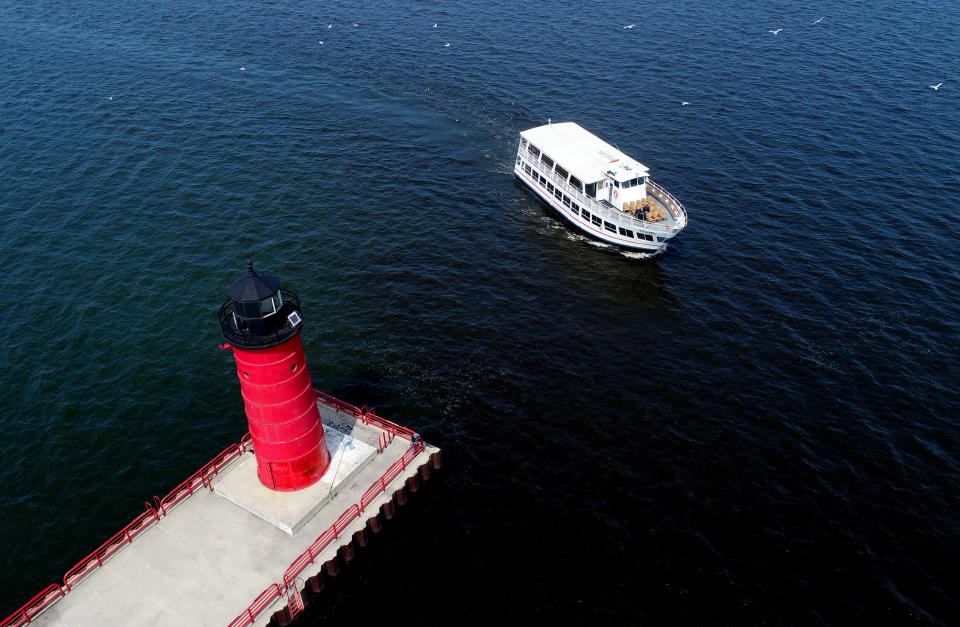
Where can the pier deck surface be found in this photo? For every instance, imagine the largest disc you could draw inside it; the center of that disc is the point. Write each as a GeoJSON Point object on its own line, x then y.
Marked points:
{"type": "Point", "coordinates": [207, 559]}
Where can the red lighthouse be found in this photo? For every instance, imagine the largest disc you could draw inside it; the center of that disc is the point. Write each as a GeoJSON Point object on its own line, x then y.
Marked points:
{"type": "Point", "coordinates": [261, 323]}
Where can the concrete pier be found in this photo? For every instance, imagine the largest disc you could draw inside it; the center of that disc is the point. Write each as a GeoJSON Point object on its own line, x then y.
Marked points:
{"type": "Point", "coordinates": [211, 556]}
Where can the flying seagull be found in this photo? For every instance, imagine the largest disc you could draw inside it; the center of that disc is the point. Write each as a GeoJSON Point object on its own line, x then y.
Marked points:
{"type": "Point", "coordinates": [321, 42]}
{"type": "Point", "coordinates": [446, 45]}
{"type": "Point", "coordinates": [775, 31]}
{"type": "Point", "coordinates": [684, 103]}
{"type": "Point", "coordinates": [936, 87]}
{"type": "Point", "coordinates": [434, 24]}
{"type": "Point", "coordinates": [629, 25]}
{"type": "Point", "coordinates": [242, 69]}
{"type": "Point", "coordinates": [329, 25]}
{"type": "Point", "coordinates": [355, 24]}
{"type": "Point", "coordinates": [818, 21]}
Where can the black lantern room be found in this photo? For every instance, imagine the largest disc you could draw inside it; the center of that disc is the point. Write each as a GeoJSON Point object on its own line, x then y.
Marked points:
{"type": "Point", "coordinates": [259, 313]}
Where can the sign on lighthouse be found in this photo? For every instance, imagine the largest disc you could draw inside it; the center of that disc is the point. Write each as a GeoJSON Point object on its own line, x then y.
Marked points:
{"type": "Point", "coordinates": [261, 322]}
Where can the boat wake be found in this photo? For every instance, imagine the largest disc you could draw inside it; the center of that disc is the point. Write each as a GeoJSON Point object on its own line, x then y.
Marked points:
{"type": "Point", "coordinates": [637, 255]}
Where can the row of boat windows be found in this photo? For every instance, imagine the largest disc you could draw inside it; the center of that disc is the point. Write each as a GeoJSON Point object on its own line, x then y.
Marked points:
{"type": "Point", "coordinates": [591, 188]}
{"type": "Point", "coordinates": [548, 163]}
{"type": "Point", "coordinates": [631, 183]}
{"type": "Point", "coordinates": [586, 215]}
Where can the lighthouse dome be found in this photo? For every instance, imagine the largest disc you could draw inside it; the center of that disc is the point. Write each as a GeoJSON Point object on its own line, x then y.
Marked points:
{"type": "Point", "coordinates": [254, 286]}
{"type": "Point", "coordinates": [259, 313]}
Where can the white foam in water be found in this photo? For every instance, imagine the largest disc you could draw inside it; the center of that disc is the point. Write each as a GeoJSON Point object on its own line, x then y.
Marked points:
{"type": "Point", "coordinates": [636, 255]}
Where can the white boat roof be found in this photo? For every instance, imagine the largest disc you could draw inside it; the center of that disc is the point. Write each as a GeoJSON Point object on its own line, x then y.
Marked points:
{"type": "Point", "coordinates": [582, 153]}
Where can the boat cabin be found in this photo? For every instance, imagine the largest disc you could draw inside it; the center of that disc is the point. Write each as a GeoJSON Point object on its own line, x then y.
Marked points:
{"type": "Point", "coordinates": [588, 163]}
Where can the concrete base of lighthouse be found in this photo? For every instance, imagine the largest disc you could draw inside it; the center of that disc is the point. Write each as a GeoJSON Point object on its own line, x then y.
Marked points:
{"type": "Point", "coordinates": [289, 511]}
{"type": "Point", "coordinates": [210, 561]}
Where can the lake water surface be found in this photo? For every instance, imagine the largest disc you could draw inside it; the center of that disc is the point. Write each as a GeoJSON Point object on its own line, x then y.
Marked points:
{"type": "Point", "coordinates": [760, 427]}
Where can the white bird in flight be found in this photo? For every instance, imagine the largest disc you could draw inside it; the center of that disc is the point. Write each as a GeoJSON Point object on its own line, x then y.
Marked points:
{"type": "Point", "coordinates": [629, 25]}
{"type": "Point", "coordinates": [242, 69]}
{"type": "Point", "coordinates": [446, 45]}
{"type": "Point", "coordinates": [109, 97]}
{"type": "Point", "coordinates": [684, 103]}
{"type": "Point", "coordinates": [434, 24]}
{"type": "Point", "coordinates": [818, 21]}
{"type": "Point", "coordinates": [321, 42]}
{"type": "Point", "coordinates": [775, 31]}
{"type": "Point", "coordinates": [936, 87]}
{"type": "Point", "coordinates": [355, 24]}
{"type": "Point", "coordinates": [329, 25]}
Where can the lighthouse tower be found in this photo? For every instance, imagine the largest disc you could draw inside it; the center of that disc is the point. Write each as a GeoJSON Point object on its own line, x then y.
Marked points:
{"type": "Point", "coordinates": [261, 322]}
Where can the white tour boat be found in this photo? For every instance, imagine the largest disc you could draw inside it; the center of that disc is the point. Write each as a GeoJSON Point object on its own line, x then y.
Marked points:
{"type": "Point", "coordinates": [602, 192]}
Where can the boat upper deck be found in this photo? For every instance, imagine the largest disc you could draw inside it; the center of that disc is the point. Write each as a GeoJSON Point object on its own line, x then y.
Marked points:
{"type": "Point", "coordinates": [583, 154]}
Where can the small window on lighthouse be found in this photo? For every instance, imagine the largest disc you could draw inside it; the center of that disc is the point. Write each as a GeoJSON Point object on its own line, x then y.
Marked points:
{"type": "Point", "coordinates": [268, 307]}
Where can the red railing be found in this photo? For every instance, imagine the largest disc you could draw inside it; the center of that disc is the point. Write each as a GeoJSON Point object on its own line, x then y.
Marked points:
{"type": "Point", "coordinates": [262, 602]}
{"type": "Point", "coordinates": [32, 607]}
{"type": "Point", "coordinates": [322, 542]}
{"type": "Point", "coordinates": [115, 543]}
{"type": "Point", "coordinates": [202, 478]}
{"type": "Point", "coordinates": [380, 485]}
{"type": "Point", "coordinates": [365, 415]}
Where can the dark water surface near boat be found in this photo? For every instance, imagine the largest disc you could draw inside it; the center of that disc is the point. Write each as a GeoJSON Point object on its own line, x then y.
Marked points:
{"type": "Point", "coordinates": [759, 427]}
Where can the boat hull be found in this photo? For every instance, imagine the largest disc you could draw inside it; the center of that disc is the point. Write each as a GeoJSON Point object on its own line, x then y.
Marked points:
{"type": "Point", "coordinates": [594, 234]}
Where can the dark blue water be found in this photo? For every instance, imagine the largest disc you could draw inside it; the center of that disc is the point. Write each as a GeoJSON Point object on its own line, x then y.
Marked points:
{"type": "Point", "coordinates": [761, 427]}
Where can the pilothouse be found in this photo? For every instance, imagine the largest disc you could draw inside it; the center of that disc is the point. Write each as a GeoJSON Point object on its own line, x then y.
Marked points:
{"type": "Point", "coordinates": [597, 189]}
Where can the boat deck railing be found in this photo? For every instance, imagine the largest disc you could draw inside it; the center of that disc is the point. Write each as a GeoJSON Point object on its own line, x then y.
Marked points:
{"type": "Point", "coordinates": [676, 209]}
{"type": "Point", "coordinates": [612, 214]}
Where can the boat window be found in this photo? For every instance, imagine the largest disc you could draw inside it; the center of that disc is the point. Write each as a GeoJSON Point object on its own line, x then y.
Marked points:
{"type": "Point", "coordinates": [610, 227]}
{"type": "Point", "coordinates": [576, 183]}
{"type": "Point", "coordinates": [558, 193]}
{"type": "Point", "coordinates": [523, 142]}
{"type": "Point", "coordinates": [596, 220]}
{"type": "Point", "coordinates": [566, 200]}
{"type": "Point", "coordinates": [592, 190]}
{"type": "Point", "coordinates": [563, 173]}
{"type": "Point", "coordinates": [585, 214]}
{"type": "Point", "coordinates": [575, 207]}
{"type": "Point", "coordinates": [661, 239]}
{"type": "Point", "coordinates": [547, 161]}
{"type": "Point", "coordinates": [533, 150]}
{"type": "Point", "coordinates": [549, 186]}
{"type": "Point", "coordinates": [526, 168]}
{"type": "Point", "coordinates": [543, 181]}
